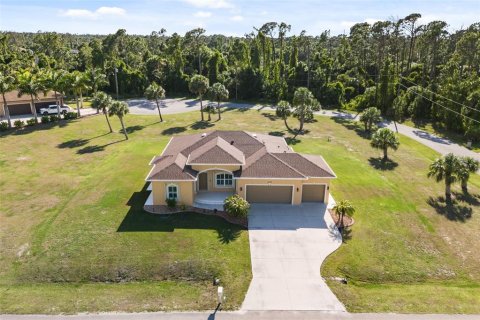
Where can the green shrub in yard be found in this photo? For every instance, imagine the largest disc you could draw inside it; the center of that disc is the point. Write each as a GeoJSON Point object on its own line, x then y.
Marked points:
{"type": "Point", "coordinates": [71, 115]}
{"type": "Point", "coordinates": [45, 119]}
{"type": "Point", "coordinates": [31, 122]}
{"type": "Point", "coordinates": [3, 126]}
{"type": "Point", "coordinates": [54, 118]}
{"type": "Point", "coordinates": [18, 123]}
{"type": "Point", "coordinates": [236, 206]}
{"type": "Point", "coordinates": [171, 203]}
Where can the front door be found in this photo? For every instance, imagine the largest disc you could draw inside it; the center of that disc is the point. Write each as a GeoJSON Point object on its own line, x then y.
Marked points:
{"type": "Point", "coordinates": [202, 181]}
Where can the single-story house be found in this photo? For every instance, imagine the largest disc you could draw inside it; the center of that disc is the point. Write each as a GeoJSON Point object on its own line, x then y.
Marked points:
{"type": "Point", "coordinates": [22, 105]}
{"type": "Point", "coordinates": [203, 169]}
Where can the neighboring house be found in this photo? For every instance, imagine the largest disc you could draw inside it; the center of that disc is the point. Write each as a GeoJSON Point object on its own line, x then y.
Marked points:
{"type": "Point", "coordinates": [21, 105]}
{"type": "Point", "coordinates": [203, 169]}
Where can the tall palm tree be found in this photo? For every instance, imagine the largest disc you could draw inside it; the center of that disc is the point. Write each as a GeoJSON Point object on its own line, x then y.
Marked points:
{"type": "Point", "coordinates": [155, 92]}
{"type": "Point", "coordinates": [79, 86]}
{"type": "Point", "coordinates": [219, 93]}
{"type": "Point", "coordinates": [6, 85]}
{"type": "Point", "coordinates": [96, 79]}
{"type": "Point", "coordinates": [102, 101]}
{"type": "Point", "coordinates": [468, 165]}
{"type": "Point", "coordinates": [199, 85]}
{"type": "Point", "coordinates": [29, 84]}
{"type": "Point", "coordinates": [383, 139]}
{"type": "Point", "coordinates": [446, 169]}
{"type": "Point", "coordinates": [343, 208]}
{"type": "Point", "coordinates": [53, 80]}
{"type": "Point", "coordinates": [119, 109]}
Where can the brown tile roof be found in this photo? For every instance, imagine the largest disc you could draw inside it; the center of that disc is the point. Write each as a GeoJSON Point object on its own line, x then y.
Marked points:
{"type": "Point", "coordinates": [12, 97]}
{"type": "Point", "coordinates": [170, 168]}
{"type": "Point", "coordinates": [216, 151]}
{"type": "Point", "coordinates": [266, 165]}
{"type": "Point", "coordinates": [308, 165]}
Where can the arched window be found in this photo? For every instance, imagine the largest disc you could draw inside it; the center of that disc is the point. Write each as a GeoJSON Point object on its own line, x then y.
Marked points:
{"type": "Point", "coordinates": [224, 180]}
{"type": "Point", "coordinates": [172, 191]}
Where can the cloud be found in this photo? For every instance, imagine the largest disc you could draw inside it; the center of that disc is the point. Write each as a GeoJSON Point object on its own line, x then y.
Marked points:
{"type": "Point", "coordinates": [84, 13]}
{"type": "Point", "coordinates": [236, 18]}
{"type": "Point", "coordinates": [203, 14]}
{"type": "Point", "coordinates": [212, 4]}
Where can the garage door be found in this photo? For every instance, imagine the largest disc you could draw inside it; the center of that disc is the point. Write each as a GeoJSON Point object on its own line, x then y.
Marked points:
{"type": "Point", "coordinates": [269, 194]}
{"type": "Point", "coordinates": [313, 193]}
{"type": "Point", "coordinates": [19, 109]}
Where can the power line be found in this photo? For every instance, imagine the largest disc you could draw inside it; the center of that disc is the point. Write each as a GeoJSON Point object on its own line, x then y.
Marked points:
{"type": "Point", "coordinates": [456, 112]}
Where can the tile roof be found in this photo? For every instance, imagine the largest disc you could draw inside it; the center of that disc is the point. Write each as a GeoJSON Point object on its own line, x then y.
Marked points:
{"type": "Point", "coordinates": [258, 155]}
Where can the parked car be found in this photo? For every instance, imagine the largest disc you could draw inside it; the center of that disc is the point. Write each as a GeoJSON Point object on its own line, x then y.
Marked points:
{"type": "Point", "coordinates": [52, 109]}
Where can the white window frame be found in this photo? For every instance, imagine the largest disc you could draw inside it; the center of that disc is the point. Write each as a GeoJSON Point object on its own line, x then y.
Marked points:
{"type": "Point", "coordinates": [224, 186]}
{"type": "Point", "coordinates": [167, 191]}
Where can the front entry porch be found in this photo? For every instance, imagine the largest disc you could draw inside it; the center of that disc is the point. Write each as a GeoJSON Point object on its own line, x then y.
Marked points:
{"type": "Point", "coordinates": [211, 200]}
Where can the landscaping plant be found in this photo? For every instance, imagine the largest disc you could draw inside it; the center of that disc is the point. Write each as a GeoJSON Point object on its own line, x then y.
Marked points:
{"type": "Point", "coordinates": [236, 206]}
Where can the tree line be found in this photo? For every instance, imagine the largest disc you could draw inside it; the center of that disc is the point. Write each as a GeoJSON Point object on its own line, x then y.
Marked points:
{"type": "Point", "coordinates": [404, 68]}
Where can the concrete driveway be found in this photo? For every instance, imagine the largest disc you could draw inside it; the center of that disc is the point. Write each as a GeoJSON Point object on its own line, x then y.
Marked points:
{"type": "Point", "coordinates": [288, 245]}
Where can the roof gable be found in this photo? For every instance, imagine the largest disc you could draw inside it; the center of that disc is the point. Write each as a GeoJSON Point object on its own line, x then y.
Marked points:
{"type": "Point", "coordinates": [216, 151]}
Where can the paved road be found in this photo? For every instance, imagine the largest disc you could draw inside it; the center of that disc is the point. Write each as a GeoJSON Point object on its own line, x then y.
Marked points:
{"type": "Point", "coordinates": [257, 315]}
{"type": "Point", "coordinates": [288, 245]}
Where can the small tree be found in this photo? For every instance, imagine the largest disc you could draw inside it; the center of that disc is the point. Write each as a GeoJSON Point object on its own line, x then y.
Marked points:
{"type": "Point", "coordinates": [102, 101]}
{"type": "Point", "coordinates": [467, 165]}
{"type": "Point", "coordinates": [79, 85]}
{"type": "Point", "coordinates": [446, 169]}
{"type": "Point", "coordinates": [155, 92]}
{"type": "Point", "coordinates": [218, 93]}
{"type": "Point", "coordinates": [6, 85]}
{"type": "Point", "coordinates": [370, 117]}
{"type": "Point", "coordinates": [343, 208]}
{"type": "Point", "coordinates": [119, 109]}
{"type": "Point", "coordinates": [383, 139]}
{"type": "Point", "coordinates": [283, 111]}
{"type": "Point", "coordinates": [304, 103]}
{"type": "Point", "coordinates": [236, 206]}
{"type": "Point", "coordinates": [199, 85]}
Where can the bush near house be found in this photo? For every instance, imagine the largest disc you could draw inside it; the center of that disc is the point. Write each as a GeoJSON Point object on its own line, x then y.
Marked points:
{"type": "Point", "coordinates": [45, 119]}
{"type": "Point", "coordinates": [31, 122]}
{"type": "Point", "coordinates": [236, 206]}
{"type": "Point", "coordinates": [71, 115]}
{"type": "Point", "coordinates": [18, 123]}
{"type": "Point", "coordinates": [3, 126]}
{"type": "Point", "coordinates": [171, 203]}
{"type": "Point", "coordinates": [54, 118]}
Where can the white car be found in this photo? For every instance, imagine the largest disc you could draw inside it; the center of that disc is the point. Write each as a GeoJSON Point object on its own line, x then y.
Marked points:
{"type": "Point", "coordinates": [52, 109]}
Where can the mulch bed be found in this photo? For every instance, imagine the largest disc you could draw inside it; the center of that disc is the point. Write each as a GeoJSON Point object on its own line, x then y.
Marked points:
{"type": "Point", "coordinates": [222, 214]}
{"type": "Point", "coordinates": [347, 221]}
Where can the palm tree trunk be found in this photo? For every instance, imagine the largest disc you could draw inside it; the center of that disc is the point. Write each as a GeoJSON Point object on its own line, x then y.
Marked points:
{"type": "Point", "coordinates": [465, 185]}
{"type": "Point", "coordinates": [123, 128]}
{"type": "Point", "coordinates": [286, 124]}
{"type": "Point", "coordinates": [448, 193]}
{"type": "Point", "coordinates": [34, 110]}
{"type": "Point", "coordinates": [201, 108]}
{"type": "Point", "coordinates": [58, 105]}
{"type": "Point", "coordinates": [108, 121]}
{"type": "Point", "coordinates": [385, 156]}
{"type": "Point", "coordinates": [78, 106]}
{"type": "Point", "coordinates": [159, 112]}
{"type": "Point", "coordinates": [6, 111]}
{"type": "Point", "coordinates": [302, 121]}
{"type": "Point", "coordinates": [219, 111]}
{"type": "Point", "coordinates": [81, 99]}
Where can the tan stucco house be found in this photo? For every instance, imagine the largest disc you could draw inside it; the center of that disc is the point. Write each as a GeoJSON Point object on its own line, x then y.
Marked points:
{"type": "Point", "coordinates": [23, 105]}
{"type": "Point", "coordinates": [203, 169]}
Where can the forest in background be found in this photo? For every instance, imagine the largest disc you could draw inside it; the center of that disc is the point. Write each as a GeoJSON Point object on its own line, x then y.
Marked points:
{"type": "Point", "coordinates": [404, 68]}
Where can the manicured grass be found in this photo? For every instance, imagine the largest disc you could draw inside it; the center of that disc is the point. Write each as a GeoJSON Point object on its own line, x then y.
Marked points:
{"type": "Point", "coordinates": [71, 200]}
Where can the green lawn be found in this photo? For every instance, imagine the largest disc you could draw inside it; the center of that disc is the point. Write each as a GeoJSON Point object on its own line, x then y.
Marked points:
{"type": "Point", "coordinates": [74, 237]}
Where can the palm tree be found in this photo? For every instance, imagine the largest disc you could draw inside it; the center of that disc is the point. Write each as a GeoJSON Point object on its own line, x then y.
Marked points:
{"type": "Point", "coordinates": [155, 92]}
{"type": "Point", "coordinates": [219, 93]}
{"type": "Point", "coordinates": [468, 165]}
{"type": "Point", "coordinates": [119, 109]}
{"type": "Point", "coordinates": [283, 110]}
{"type": "Point", "coordinates": [53, 80]}
{"type": "Point", "coordinates": [96, 79]}
{"type": "Point", "coordinates": [370, 117]}
{"type": "Point", "coordinates": [383, 139]}
{"type": "Point", "coordinates": [102, 101]}
{"type": "Point", "coordinates": [304, 103]}
{"type": "Point", "coordinates": [199, 85]}
{"type": "Point", "coordinates": [6, 85]}
{"type": "Point", "coordinates": [446, 169]}
{"type": "Point", "coordinates": [29, 84]}
{"type": "Point", "coordinates": [343, 208]}
{"type": "Point", "coordinates": [79, 86]}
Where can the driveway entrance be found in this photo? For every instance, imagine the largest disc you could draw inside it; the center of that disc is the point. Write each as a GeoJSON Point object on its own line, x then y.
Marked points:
{"type": "Point", "coordinates": [288, 245]}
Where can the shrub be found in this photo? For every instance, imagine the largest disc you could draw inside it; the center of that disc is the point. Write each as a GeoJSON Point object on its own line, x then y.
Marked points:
{"type": "Point", "coordinates": [54, 118]}
{"type": "Point", "coordinates": [236, 206]}
{"type": "Point", "coordinates": [31, 122]}
{"type": "Point", "coordinates": [171, 203]}
{"type": "Point", "coordinates": [3, 126]}
{"type": "Point", "coordinates": [45, 119]}
{"type": "Point", "coordinates": [18, 123]}
{"type": "Point", "coordinates": [71, 115]}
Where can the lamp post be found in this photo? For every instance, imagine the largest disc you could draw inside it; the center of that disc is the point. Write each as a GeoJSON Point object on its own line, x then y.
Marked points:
{"type": "Point", "coordinates": [116, 81]}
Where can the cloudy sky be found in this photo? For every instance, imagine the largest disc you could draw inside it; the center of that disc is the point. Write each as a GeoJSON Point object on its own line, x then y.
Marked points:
{"type": "Point", "coordinates": [230, 17]}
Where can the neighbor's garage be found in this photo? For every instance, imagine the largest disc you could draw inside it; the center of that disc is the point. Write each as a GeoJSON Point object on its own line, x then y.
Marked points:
{"type": "Point", "coordinates": [313, 193]}
{"type": "Point", "coordinates": [269, 194]}
{"type": "Point", "coordinates": [17, 109]}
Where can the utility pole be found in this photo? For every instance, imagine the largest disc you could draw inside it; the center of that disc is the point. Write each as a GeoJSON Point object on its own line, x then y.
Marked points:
{"type": "Point", "coordinates": [116, 81]}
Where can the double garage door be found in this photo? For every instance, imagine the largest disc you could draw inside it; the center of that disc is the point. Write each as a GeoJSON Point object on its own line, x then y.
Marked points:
{"type": "Point", "coordinates": [283, 194]}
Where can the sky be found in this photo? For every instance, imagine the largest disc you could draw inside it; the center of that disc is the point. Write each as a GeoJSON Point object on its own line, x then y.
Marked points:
{"type": "Point", "coordinates": [228, 17]}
